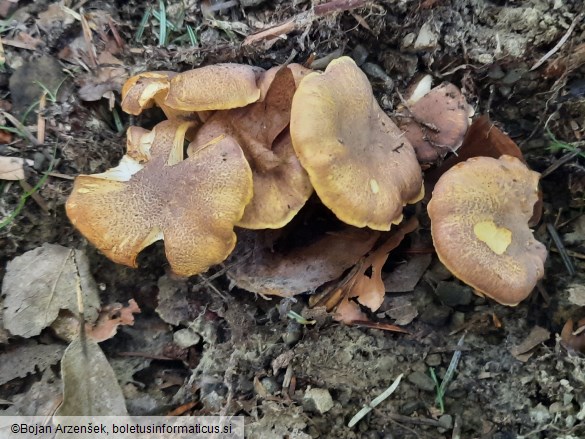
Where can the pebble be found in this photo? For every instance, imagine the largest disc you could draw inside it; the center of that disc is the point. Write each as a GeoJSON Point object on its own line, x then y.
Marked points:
{"type": "Point", "coordinates": [422, 381]}
{"type": "Point", "coordinates": [185, 338]}
{"type": "Point", "coordinates": [453, 293]}
{"type": "Point", "coordinates": [446, 422]}
{"type": "Point", "coordinates": [410, 407]}
{"type": "Point", "coordinates": [434, 360]}
{"type": "Point", "coordinates": [436, 315]}
{"type": "Point", "coordinates": [377, 72]}
{"type": "Point", "coordinates": [317, 400]}
{"type": "Point", "coordinates": [427, 38]}
{"type": "Point", "coordinates": [270, 385]}
{"type": "Point", "coordinates": [359, 54]}
{"type": "Point", "coordinates": [39, 161]}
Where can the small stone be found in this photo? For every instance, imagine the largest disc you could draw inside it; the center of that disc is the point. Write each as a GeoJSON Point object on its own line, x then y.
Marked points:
{"type": "Point", "coordinates": [422, 381]}
{"type": "Point", "coordinates": [359, 54]}
{"type": "Point", "coordinates": [436, 315]}
{"type": "Point", "coordinates": [427, 38]}
{"type": "Point", "coordinates": [446, 422]}
{"type": "Point", "coordinates": [514, 75]}
{"type": "Point", "coordinates": [270, 385]}
{"type": "Point", "coordinates": [377, 72]}
{"type": "Point", "coordinates": [317, 400]}
{"type": "Point", "coordinates": [410, 407]}
{"type": "Point", "coordinates": [454, 294]}
{"type": "Point", "coordinates": [185, 338]}
{"type": "Point", "coordinates": [39, 161]}
{"type": "Point", "coordinates": [434, 360]}
{"type": "Point", "coordinates": [457, 319]}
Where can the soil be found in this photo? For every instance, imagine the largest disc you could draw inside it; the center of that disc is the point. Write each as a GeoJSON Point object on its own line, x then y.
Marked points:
{"type": "Point", "coordinates": [486, 48]}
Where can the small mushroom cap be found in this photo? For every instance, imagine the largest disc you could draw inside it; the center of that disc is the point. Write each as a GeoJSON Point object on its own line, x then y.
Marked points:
{"type": "Point", "coordinates": [214, 87]}
{"type": "Point", "coordinates": [192, 204]}
{"type": "Point", "coordinates": [146, 90]}
{"type": "Point", "coordinates": [479, 214]}
{"type": "Point", "coordinates": [281, 185]}
{"type": "Point", "coordinates": [436, 120]}
{"type": "Point", "coordinates": [358, 162]}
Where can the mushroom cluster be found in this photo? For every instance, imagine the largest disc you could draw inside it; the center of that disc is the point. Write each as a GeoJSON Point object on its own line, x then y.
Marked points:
{"type": "Point", "coordinates": [259, 143]}
{"type": "Point", "coordinates": [250, 150]}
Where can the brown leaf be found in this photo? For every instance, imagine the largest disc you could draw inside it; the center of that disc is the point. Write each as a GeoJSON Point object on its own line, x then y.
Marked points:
{"type": "Point", "coordinates": [574, 340]}
{"type": "Point", "coordinates": [367, 289]}
{"type": "Point", "coordinates": [302, 269]}
{"type": "Point", "coordinates": [523, 351]}
{"type": "Point", "coordinates": [110, 318]}
{"type": "Point", "coordinates": [405, 276]}
{"type": "Point", "coordinates": [379, 325]}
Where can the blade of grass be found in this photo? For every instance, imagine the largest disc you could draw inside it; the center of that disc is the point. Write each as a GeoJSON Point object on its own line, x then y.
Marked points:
{"type": "Point", "coordinates": [162, 35]}
{"type": "Point", "coordinates": [24, 197]}
{"type": "Point", "coordinates": [192, 37]}
{"type": "Point", "coordinates": [142, 25]}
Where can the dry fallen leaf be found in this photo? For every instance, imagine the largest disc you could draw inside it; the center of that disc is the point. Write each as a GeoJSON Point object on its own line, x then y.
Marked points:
{"type": "Point", "coordinates": [524, 350]}
{"type": "Point", "coordinates": [405, 276]}
{"type": "Point", "coordinates": [574, 340]}
{"type": "Point", "coordinates": [19, 361]}
{"type": "Point", "coordinates": [363, 283]}
{"type": "Point", "coordinates": [110, 318]}
{"type": "Point", "coordinates": [12, 168]}
{"type": "Point", "coordinates": [41, 282]}
{"type": "Point", "coordinates": [577, 294]}
{"type": "Point", "coordinates": [302, 269]}
{"type": "Point", "coordinates": [89, 382]}
{"type": "Point", "coordinates": [402, 310]}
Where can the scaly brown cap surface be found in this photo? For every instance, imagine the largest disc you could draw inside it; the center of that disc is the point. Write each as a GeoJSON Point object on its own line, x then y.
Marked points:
{"type": "Point", "coordinates": [192, 204]}
{"type": "Point", "coordinates": [281, 185]}
{"type": "Point", "coordinates": [359, 163]}
{"type": "Point", "coordinates": [479, 221]}
{"type": "Point", "coordinates": [214, 87]}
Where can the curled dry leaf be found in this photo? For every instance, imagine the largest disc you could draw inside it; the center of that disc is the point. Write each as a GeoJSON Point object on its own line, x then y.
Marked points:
{"type": "Point", "coordinates": [524, 350]}
{"type": "Point", "coordinates": [574, 339]}
{"type": "Point", "coordinates": [364, 283]}
{"type": "Point", "coordinates": [110, 318]}
{"type": "Point", "coordinates": [303, 269]}
{"type": "Point", "coordinates": [43, 281]}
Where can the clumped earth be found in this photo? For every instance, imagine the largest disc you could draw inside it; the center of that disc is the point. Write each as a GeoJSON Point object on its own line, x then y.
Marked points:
{"type": "Point", "coordinates": [198, 347]}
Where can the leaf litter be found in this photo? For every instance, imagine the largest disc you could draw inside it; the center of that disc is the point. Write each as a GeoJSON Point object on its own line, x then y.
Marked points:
{"type": "Point", "coordinates": [43, 281]}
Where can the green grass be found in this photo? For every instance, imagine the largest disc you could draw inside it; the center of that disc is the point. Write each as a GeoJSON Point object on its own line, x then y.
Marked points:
{"type": "Point", "coordinates": [558, 145]}
{"type": "Point", "coordinates": [169, 32]}
{"type": "Point", "coordinates": [24, 197]}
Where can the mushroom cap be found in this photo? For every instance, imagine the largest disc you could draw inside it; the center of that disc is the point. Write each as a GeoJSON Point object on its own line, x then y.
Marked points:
{"type": "Point", "coordinates": [192, 204]}
{"type": "Point", "coordinates": [146, 90]}
{"type": "Point", "coordinates": [436, 120]}
{"type": "Point", "coordinates": [281, 185]}
{"type": "Point", "coordinates": [479, 214]}
{"type": "Point", "coordinates": [358, 162]}
{"type": "Point", "coordinates": [214, 87]}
